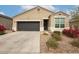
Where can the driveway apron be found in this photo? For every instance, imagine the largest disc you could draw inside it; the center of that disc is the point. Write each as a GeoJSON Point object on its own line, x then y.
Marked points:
{"type": "Point", "coordinates": [20, 42]}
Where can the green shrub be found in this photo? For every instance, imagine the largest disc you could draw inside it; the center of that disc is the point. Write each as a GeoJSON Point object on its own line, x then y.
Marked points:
{"type": "Point", "coordinates": [56, 36]}
{"type": "Point", "coordinates": [1, 33]}
{"type": "Point", "coordinates": [75, 43]}
{"type": "Point", "coordinates": [52, 43]}
{"type": "Point", "coordinates": [45, 33]}
{"type": "Point", "coordinates": [57, 32]}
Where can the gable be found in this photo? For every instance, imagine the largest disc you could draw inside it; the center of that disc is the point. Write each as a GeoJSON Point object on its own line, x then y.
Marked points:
{"type": "Point", "coordinates": [5, 17]}
{"type": "Point", "coordinates": [35, 13]}
{"type": "Point", "coordinates": [61, 14]}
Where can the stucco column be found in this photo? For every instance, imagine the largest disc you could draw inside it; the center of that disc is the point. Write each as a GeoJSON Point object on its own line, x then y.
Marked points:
{"type": "Point", "coordinates": [67, 23]}
{"type": "Point", "coordinates": [14, 25]}
{"type": "Point", "coordinates": [41, 26]}
{"type": "Point", "coordinates": [52, 24]}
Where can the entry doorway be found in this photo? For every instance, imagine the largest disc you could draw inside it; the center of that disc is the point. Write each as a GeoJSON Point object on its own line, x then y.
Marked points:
{"type": "Point", "coordinates": [46, 24]}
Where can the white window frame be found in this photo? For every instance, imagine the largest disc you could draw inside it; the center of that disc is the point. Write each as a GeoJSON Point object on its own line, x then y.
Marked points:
{"type": "Point", "coordinates": [59, 23]}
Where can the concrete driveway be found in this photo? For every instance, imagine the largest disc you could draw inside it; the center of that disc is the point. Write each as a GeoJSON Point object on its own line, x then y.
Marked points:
{"type": "Point", "coordinates": [20, 42]}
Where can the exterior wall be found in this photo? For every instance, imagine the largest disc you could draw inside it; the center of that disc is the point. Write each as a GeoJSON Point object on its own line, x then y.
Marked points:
{"type": "Point", "coordinates": [67, 23]}
{"type": "Point", "coordinates": [40, 15]}
{"type": "Point", "coordinates": [32, 15]}
{"type": "Point", "coordinates": [7, 22]}
{"type": "Point", "coordinates": [53, 22]}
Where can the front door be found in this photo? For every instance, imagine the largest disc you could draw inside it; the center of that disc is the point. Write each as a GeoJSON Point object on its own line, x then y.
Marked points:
{"type": "Point", "coordinates": [46, 24]}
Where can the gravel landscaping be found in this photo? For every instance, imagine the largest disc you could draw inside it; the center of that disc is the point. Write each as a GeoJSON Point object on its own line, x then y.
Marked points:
{"type": "Point", "coordinates": [64, 45]}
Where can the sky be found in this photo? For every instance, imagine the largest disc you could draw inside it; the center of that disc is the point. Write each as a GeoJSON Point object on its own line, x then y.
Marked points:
{"type": "Point", "coordinates": [12, 10]}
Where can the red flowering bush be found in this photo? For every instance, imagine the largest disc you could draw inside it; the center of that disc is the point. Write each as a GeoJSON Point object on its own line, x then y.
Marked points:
{"type": "Point", "coordinates": [71, 32]}
{"type": "Point", "coordinates": [2, 29]}
{"type": "Point", "coordinates": [76, 32]}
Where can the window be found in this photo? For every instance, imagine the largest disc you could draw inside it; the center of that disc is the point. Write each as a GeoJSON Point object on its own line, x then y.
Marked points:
{"type": "Point", "coordinates": [59, 23]}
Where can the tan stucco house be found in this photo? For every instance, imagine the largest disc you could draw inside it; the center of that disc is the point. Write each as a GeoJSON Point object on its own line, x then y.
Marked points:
{"type": "Point", "coordinates": [40, 19]}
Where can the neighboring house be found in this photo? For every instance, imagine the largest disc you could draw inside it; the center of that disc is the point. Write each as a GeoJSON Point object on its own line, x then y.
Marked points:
{"type": "Point", "coordinates": [40, 19]}
{"type": "Point", "coordinates": [6, 21]}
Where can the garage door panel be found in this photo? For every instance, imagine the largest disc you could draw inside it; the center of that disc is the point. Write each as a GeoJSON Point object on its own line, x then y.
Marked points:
{"type": "Point", "coordinates": [28, 26]}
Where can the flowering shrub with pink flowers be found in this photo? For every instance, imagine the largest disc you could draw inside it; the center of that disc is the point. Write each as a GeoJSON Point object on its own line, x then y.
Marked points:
{"type": "Point", "coordinates": [74, 33]}
{"type": "Point", "coordinates": [2, 29]}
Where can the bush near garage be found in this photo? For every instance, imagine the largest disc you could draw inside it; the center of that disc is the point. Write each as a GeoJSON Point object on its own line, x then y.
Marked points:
{"type": "Point", "coordinates": [2, 29]}
{"type": "Point", "coordinates": [45, 33]}
{"type": "Point", "coordinates": [13, 30]}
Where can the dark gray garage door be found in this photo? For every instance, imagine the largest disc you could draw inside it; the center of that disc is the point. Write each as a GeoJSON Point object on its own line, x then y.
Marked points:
{"type": "Point", "coordinates": [28, 26]}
